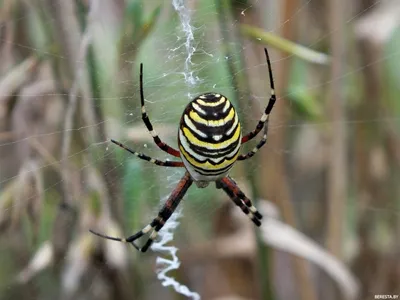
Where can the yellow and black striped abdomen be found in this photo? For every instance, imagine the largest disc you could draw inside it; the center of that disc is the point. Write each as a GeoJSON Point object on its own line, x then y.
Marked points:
{"type": "Point", "coordinates": [209, 137]}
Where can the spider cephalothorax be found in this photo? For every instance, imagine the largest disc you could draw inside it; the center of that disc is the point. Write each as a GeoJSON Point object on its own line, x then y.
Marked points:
{"type": "Point", "coordinates": [209, 140]}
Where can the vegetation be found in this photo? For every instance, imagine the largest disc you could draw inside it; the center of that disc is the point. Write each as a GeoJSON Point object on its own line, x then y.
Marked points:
{"type": "Point", "coordinates": [326, 182]}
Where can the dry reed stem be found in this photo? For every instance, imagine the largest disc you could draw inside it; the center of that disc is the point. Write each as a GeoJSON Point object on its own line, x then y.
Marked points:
{"type": "Point", "coordinates": [280, 183]}
{"type": "Point", "coordinates": [72, 103]}
{"type": "Point", "coordinates": [337, 186]}
{"type": "Point", "coordinates": [15, 78]}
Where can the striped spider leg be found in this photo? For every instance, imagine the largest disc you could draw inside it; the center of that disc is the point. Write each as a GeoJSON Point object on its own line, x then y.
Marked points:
{"type": "Point", "coordinates": [239, 198]}
{"type": "Point", "coordinates": [155, 161]}
{"type": "Point", "coordinates": [163, 146]}
{"type": "Point", "coordinates": [264, 118]}
{"type": "Point", "coordinates": [164, 214]}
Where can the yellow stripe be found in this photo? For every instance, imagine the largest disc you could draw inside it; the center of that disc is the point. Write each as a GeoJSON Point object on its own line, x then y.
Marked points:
{"type": "Point", "coordinates": [214, 123]}
{"type": "Point", "coordinates": [206, 165]}
{"type": "Point", "coordinates": [201, 102]}
{"type": "Point", "coordinates": [195, 141]}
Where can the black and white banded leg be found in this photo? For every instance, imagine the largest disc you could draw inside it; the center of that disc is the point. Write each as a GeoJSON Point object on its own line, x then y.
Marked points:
{"type": "Point", "coordinates": [164, 214]}
{"type": "Point", "coordinates": [257, 147]}
{"type": "Point", "coordinates": [263, 123]}
{"type": "Point", "coordinates": [163, 146]}
{"type": "Point", "coordinates": [166, 163]}
{"type": "Point", "coordinates": [240, 199]}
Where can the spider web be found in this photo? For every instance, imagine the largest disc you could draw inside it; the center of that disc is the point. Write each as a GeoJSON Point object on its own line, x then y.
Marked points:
{"type": "Point", "coordinates": [182, 56]}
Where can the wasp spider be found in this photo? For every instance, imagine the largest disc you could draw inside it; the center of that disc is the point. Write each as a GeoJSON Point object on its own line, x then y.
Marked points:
{"type": "Point", "coordinates": [209, 141]}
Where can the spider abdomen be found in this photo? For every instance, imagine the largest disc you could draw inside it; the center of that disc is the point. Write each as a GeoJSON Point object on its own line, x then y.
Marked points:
{"type": "Point", "coordinates": [209, 136]}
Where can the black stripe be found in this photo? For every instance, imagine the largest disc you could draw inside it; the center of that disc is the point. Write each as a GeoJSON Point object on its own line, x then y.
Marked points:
{"type": "Point", "coordinates": [229, 151]}
{"type": "Point", "coordinates": [228, 155]}
{"type": "Point", "coordinates": [210, 161]}
{"type": "Point", "coordinates": [213, 113]}
{"type": "Point", "coordinates": [210, 131]}
{"type": "Point", "coordinates": [211, 109]}
{"type": "Point", "coordinates": [206, 172]}
{"type": "Point", "coordinates": [210, 97]}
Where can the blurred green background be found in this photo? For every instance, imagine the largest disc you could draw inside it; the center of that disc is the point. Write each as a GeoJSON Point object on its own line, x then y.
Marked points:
{"type": "Point", "coordinates": [327, 180]}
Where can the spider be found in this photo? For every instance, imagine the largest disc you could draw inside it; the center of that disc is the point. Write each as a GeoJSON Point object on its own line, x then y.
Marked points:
{"type": "Point", "coordinates": [209, 141]}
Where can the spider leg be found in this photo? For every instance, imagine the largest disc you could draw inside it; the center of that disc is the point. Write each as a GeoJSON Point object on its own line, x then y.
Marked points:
{"type": "Point", "coordinates": [177, 164]}
{"type": "Point", "coordinates": [163, 146]}
{"type": "Point", "coordinates": [163, 215]}
{"type": "Point", "coordinates": [264, 118]}
{"type": "Point", "coordinates": [257, 147]}
{"type": "Point", "coordinates": [239, 198]}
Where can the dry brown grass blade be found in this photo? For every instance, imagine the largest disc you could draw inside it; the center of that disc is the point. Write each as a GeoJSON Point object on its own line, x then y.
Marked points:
{"type": "Point", "coordinates": [77, 263]}
{"type": "Point", "coordinates": [337, 179]}
{"type": "Point", "coordinates": [41, 260]}
{"type": "Point", "coordinates": [81, 262]}
{"type": "Point", "coordinates": [76, 47]}
{"type": "Point", "coordinates": [29, 196]}
{"type": "Point", "coordinates": [77, 53]}
{"type": "Point", "coordinates": [116, 253]}
{"type": "Point", "coordinates": [283, 237]}
{"type": "Point", "coordinates": [15, 78]}
{"type": "Point", "coordinates": [36, 116]}
{"type": "Point", "coordinates": [7, 198]}
{"type": "Point", "coordinates": [8, 28]}
{"type": "Point", "coordinates": [23, 196]}
{"type": "Point", "coordinates": [275, 184]}
{"type": "Point", "coordinates": [241, 245]}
